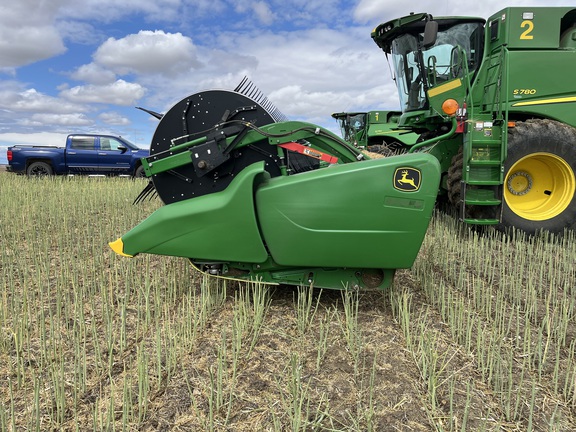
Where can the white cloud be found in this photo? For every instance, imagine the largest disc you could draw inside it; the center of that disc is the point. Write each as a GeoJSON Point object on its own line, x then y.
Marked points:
{"type": "Point", "coordinates": [57, 119]}
{"type": "Point", "coordinates": [93, 74]}
{"type": "Point", "coordinates": [27, 32]}
{"type": "Point", "coordinates": [259, 8]}
{"type": "Point", "coordinates": [14, 99]}
{"type": "Point", "coordinates": [79, 32]}
{"type": "Point", "coordinates": [263, 12]}
{"type": "Point", "coordinates": [317, 106]}
{"type": "Point", "coordinates": [304, 55]}
{"type": "Point", "coordinates": [148, 52]}
{"type": "Point", "coordinates": [44, 138]}
{"type": "Point", "coordinates": [113, 118]}
{"type": "Point", "coordinates": [108, 10]}
{"type": "Point", "coordinates": [313, 73]}
{"type": "Point", "coordinates": [20, 46]}
{"type": "Point", "coordinates": [308, 74]}
{"type": "Point", "coordinates": [118, 93]}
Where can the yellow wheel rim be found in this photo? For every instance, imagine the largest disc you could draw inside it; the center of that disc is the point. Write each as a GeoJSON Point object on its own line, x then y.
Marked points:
{"type": "Point", "coordinates": [539, 186]}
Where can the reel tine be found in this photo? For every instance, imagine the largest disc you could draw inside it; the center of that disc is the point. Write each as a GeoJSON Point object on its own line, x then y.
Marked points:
{"type": "Point", "coordinates": [249, 89]}
{"type": "Point", "coordinates": [239, 86]}
{"type": "Point", "coordinates": [148, 192]}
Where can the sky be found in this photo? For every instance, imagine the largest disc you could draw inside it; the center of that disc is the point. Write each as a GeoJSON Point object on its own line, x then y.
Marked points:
{"type": "Point", "coordinates": [82, 66]}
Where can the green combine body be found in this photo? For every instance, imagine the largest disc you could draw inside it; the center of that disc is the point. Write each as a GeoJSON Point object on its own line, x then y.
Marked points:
{"type": "Point", "coordinates": [495, 102]}
{"type": "Point", "coordinates": [488, 118]}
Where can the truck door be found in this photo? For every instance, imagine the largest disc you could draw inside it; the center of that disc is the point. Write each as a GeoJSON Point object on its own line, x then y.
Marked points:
{"type": "Point", "coordinates": [113, 156]}
{"type": "Point", "coordinates": [81, 155]}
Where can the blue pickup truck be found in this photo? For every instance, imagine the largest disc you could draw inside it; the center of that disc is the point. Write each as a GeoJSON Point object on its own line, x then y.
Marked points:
{"type": "Point", "coordinates": [83, 154]}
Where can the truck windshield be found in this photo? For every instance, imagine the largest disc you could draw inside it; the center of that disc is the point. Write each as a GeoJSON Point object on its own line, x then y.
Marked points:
{"type": "Point", "coordinates": [455, 53]}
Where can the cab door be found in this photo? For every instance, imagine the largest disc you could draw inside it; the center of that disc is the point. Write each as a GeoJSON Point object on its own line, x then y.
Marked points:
{"type": "Point", "coordinates": [113, 156]}
{"type": "Point", "coordinates": [81, 154]}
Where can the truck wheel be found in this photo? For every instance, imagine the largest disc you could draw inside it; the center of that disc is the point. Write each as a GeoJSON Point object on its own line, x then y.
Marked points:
{"type": "Point", "coordinates": [540, 181]}
{"type": "Point", "coordinates": [39, 169]}
{"type": "Point", "coordinates": [139, 173]}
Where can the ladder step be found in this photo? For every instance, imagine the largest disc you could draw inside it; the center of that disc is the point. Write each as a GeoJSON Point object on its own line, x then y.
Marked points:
{"type": "Point", "coordinates": [492, 202]}
{"type": "Point", "coordinates": [486, 152]}
{"type": "Point", "coordinates": [483, 173]}
{"type": "Point", "coordinates": [486, 142]}
{"type": "Point", "coordinates": [481, 197]}
{"type": "Point", "coordinates": [484, 182]}
{"type": "Point", "coordinates": [485, 162]}
{"type": "Point", "coordinates": [482, 221]}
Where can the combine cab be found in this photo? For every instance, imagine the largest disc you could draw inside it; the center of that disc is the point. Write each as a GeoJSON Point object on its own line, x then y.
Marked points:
{"type": "Point", "coordinates": [252, 198]}
{"type": "Point", "coordinates": [375, 131]}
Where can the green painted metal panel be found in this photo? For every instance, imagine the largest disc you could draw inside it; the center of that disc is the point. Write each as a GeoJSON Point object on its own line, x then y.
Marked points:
{"type": "Point", "coordinates": [220, 226]}
{"type": "Point", "coordinates": [526, 27]}
{"type": "Point", "coordinates": [540, 83]}
{"type": "Point", "coordinates": [364, 215]}
{"type": "Point", "coordinates": [389, 132]}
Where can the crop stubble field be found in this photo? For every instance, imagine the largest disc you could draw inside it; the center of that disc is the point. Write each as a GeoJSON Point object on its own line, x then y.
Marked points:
{"type": "Point", "coordinates": [478, 335]}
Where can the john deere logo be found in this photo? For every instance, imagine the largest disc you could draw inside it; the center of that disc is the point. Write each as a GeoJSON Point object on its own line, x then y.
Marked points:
{"type": "Point", "coordinates": [407, 179]}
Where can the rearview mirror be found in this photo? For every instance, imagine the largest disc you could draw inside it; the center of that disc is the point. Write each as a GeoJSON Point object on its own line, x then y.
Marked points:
{"type": "Point", "coordinates": [430, 34]}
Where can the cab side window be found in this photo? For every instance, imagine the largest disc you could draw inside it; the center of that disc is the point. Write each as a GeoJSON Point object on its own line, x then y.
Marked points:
{"type": "Point", "coordinates": [112, 144]}
{"type": "Point", "coordinates": [105, 144]}
{"type": "Point", "coordinates": [82, 143]}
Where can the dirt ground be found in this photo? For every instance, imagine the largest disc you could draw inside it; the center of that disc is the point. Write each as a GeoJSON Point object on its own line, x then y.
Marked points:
{"type": "Point", "coordinates": [337, 394]}
{"type": "Point", "coordinates": [374, 383]}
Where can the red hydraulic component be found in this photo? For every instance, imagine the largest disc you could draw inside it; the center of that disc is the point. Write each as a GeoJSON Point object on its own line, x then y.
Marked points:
{"type": "Point", "coordinates": [461, 117]}
{"type": "Point", "coordinates": [307, 151]}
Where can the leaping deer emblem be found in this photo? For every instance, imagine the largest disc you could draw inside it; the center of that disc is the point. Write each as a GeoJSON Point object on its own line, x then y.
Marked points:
{"type": "Point", "coordinates": [404, 182]}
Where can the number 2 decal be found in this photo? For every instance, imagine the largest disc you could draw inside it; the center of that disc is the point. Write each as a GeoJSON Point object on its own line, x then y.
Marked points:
{"type": "Point", "coordinates": [530, 27]}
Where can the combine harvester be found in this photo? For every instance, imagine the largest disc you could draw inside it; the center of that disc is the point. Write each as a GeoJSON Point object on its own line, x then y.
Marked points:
{"type": "Point", "coordinates": [495, 102]}
{"type": "Point", "coordinates": [251, 196]}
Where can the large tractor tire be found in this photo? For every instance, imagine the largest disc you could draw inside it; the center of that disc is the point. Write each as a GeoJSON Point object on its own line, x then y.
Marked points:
{"type": "Point", "coordinates": [454, 188]}
{"type": "Point", "coordinates": [540, 182]}
{"type": "Point", "coordinates": [454, 178]}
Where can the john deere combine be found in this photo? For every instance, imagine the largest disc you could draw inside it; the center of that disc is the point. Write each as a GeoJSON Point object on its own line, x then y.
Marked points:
{"type": "Point", "coordinates": [495, 102]}
{"type": "Point", "coordinates": [251, 196]}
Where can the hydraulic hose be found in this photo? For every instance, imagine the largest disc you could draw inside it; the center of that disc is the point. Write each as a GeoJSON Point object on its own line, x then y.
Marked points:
{"type": "Point", "coordinates": [435, 139]}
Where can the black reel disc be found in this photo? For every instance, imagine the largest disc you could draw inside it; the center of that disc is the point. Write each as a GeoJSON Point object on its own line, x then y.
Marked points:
{"type": "Point", "coordinates": [195, 117]}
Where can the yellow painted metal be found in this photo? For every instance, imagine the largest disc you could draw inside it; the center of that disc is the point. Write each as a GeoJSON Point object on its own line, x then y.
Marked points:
{"type": "Point", "coordinates": [118, 247]}
{"type": "Point", "coordinates": [539, 186]}
{"type": "Point", "coordinates": [546, 101]}
{"type": "Point", "coordinates": [450, 85]}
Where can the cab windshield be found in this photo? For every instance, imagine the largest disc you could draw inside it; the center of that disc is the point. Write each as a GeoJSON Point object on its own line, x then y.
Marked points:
{"type": "Point", "coordinates": [456, 52]}
{"type": "Point", "coordinates": [351, 125]}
